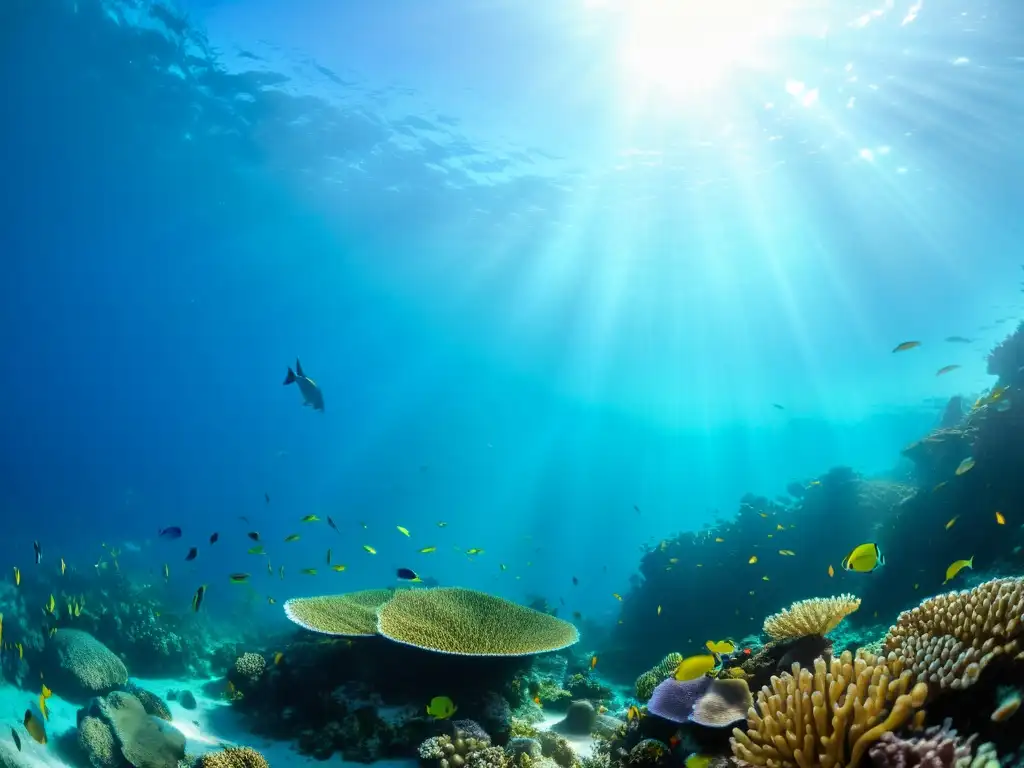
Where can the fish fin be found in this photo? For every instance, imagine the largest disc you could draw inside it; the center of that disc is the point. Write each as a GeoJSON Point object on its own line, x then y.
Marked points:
{"type": "Point", "coordinates": [290, 378]}
{"type": "Point", "coordinates": [298, 368]}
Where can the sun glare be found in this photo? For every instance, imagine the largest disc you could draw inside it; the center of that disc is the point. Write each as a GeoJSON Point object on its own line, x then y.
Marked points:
{"type": "Point", "coordinates": [682, 48]}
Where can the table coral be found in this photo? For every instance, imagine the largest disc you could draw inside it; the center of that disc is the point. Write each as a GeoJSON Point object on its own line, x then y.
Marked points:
{"type": "Point", "coordinates": [947, 640]}
{"type": "Point", "coordinates": [829, 718]}
{"type": "Point", "coordinates": [816, 616]}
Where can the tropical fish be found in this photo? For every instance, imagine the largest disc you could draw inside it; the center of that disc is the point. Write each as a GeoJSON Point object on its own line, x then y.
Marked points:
{"type": "Point", "coordinates": [266, 496]}
{"type": "Point", "coordinates": [952, 520]}
{"type": "Point", "coordinates": [192, 554]}
{"type": "Point", "coordinates": [633, 713]}
{"type": "Point", "coordinates": [328, 555]}
{"type": "Point", "coordinates": [617, 596]}
{"type": "Point", "coordinates": [309, 519]}
{"type": "Point", "coordinates": [719, 540]}
{"type": "Point", "coordinates": [864, 558]}
{"type": "Point", "coordinates": [213, 537]}
{"type": "Point", "coordinates": [44, 694]}
{"type": "Point", "coordinates": [17, 576]}
{"type": "Point", "coordinates": [63, 567]}
{"type": "Point", "coordinates": [695, 666]}
{"type": "Point", "coordinates": [474, 551]}
{"type": "Point", "coordinates": [958, 340]}
{"type": "Point", "coordinates": [752, 560]}
{"type": "Point", "coordinates": [369, 549]}
{"type": "Point", "coordinates": [946, 369]}
{"type": "Point", "coordinates": [197, 598]}
{"type": "Point", "coordinates": [254, 535]}
{"type": "Point", "coordinates": [505, 568]}
{"type": "Point", "coordinates": [722, 646]}
{"type": "Point", "coordinates": [174, 532]}
{"type": "Point", "coordinates": [38, 550]}
{"type": "Point", "coordinates": [697, 761]}
{"type": "Point", "coordinates": [291, 537]}
{"type": "Point", "coordinates": [958, 566]}
{"type": "Point", "coordinates": [278, 658]}
{"type": "Point", "coordinates": [575, 581]}
{"type": "Point", "coordinates": [330, 522]}
{"type": "Point", "coordinates": [338, 568]}
{"type": "Point", "coordinates": [239, 578]}
{"type": "Point", "coordinates": [16, 739]}
{"type": "Point", "coordinates": [965, 466]}
{"type": "Point", "coordinates": [787, 552]}
{"type": "Point", "coordinates": [311, 394]}
{"type": "Point", "coordinates": [35, 727]}
{"type": "Point", "coordinates": [831, 571]}
{"type": "Point", "coordinates": [441, 524]}
{"type": "Point", "coordinates": [905, 345]}
{"type": "Point", "coordinates": [1000, 519]}
{"type": "Point", "coordinates": [403, 531]}
{"type": "Point", "coordinates": [764, 578]}
{"type": "Point", "coordinates": [593, 661]}
{"type": "Point", "coordinates": [407, 574]}
{"type": "Point", "coordinates": [280, 572]}
{"type": "Point", "coordinates": [271, 600]}
{"type": "Point", "coordinates": [659, 610]}
{"type": "Point", "coordinates": [428, 550]}
{"type": "Point", "coordinates": [257, 550]}
{"type": "Point", "coordinates": [270, 569]}
{"type": "Point", "coordinates": [308, 571]}
{"type": "Point", "coordinates": [441, 708]}
{"type": "Point", "coordinates": [50, 605]}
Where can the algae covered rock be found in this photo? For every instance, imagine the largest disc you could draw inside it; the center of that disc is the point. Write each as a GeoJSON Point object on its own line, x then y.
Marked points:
{"type": "Point", "coordinates": [78, 666]}
{"type": "Point", "coordinates": [116, 732]}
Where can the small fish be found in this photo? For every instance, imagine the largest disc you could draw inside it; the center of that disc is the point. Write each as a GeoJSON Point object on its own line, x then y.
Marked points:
{"type": "Point", "coordinates": [441, 708]}
{"type": "Point", "coordinates": [17, 576]}
{"type": "Point", "coordinates": [952, 521]}
{"type": "Point", "coordinates": [254, 535]}
{"type": "Point", "coordinates": [958, 340]}
{"type": "Point", "coordinates": [442, 524]}
{"type": "Point", "coordinates": [407, 574]}
{"type": "Point", "coordinates": [365, 526]}
{"type": "Point", "coordinates": [780, 527]}
{"type": "Point", "coordinates": [63, 567]}
{"type": "Point", "coordinates": [174, 532]}
{"type": "Point", "coordinates": [197, 598]}
{"type": "Point", "coordinates": [271, 600]}
{"type": "Point", "coordinates": [864, 558]}
{"type": "Point", "coordinates": [278, 658]}
{"type": "Point", "coordinates": [257, 550]}
{"type": "Point", "coordinates": [965, 466]}
{"type": "Point", "coordinates": [308, 571]}
{"type": "Point", "coordinates": [946, 369]}
{"type": "Point", "coordinates": [270, 569]}
{"type": "Point", "coordinates": [35, 727]}
{"type": "Point", "coordinates": [311, 394]}
{"type": "Point", "coordinates": [617, 596]}
{"type": "Point", "coordinates": [575, 581]}
{"type": "Point", "coordinates": [291, 537]}
{"type": "Point", "coordinates": [310, 519]}
{"type": "Point", "coordinates": [719, 540]}
{"type": "Point", "coordinates": [752, 560]}
{"type": "Point", "coordinates": [239, 578]}
{"type": "Point", "coordinates": [778, 406]}
{"type": "Point", "coordinates": [578, 616]}
{"type": "Point", "coordinates": [280, 572]}
{"type": "Point", "coordinates": [330, 522]}
{"type": "Point", "coordinates": [659, 610]}
{"type": "Point", "coordinates": [905, 345]}
{"type": "Point", "coordinates": [1000, 519]}
{"type": "Point", "coordinates": [50, 605]}
{"type": "Point", "coordinates": [403, 531]}
{"type": "Point", "coordinates": [695, 666]}
{"type": "Point", "coordinates": [213, 537]}
{"type": "Point", "coordinates": [16, 739]}
{"type": "Point", "coordinates": [505, 568]}
{"type": "Point", "coordinates": [338, 568]}
{"type": "Point", "coordinates": [21, 650]}
{"type": "Point", "coordinates": [787, 552]}
{"type": "Point", "coordinates": [192, 554]}
{"type": "Point", "coordinates": [428, 550]}
{"type": "Point", "coordinates": [764, 578]}
{"type": "Point", "coordinates": [369, 549]}
{"type": "Point", "coordinates": [474, 551]}
{"type": "Point", "coordinates": [958, 566]}
{"type": "Point", "coordinates": [831, 571]}
{"type": "Point", "coordinates": [593, 661]}
{"type": "Point", "coordinates": [697, 761]}
{"type": "Point", "coordinates": [167, 572]}
{"type": "Point", "coordinates": [720, 647]}
{"type": "Point", "coordinates": [38, 550]}
{"type": "Point", "coordinates": [633, 714]}
{"type": "Point", "coordinates": [328, 555]}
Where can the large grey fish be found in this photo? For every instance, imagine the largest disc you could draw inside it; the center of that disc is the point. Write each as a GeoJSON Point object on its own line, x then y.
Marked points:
{"type": "Point", "coordinates": [311, 394]}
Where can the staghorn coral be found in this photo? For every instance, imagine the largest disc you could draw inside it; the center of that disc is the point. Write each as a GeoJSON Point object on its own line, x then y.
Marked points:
{"type": "Point", "coordinates": [470, 623]}
{"type": "Point", "coordinates": [947, 640]}
{"type": "Point", "coordinates": [816, 616]}
{"type": "Point", "coordinates": [829, 718]}
{"type": "Point", "coordinates": [648, 681]}
{"type": "Point", "coordinates": [350, 615]}
{"type": "Point", "coordinates": [233, 757]}
{"type": "Point", "coordinates": [938, 747]}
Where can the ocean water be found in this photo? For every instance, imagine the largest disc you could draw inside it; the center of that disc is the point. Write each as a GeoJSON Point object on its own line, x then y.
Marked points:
{"type": "Point", "coordinates": [573, 277]}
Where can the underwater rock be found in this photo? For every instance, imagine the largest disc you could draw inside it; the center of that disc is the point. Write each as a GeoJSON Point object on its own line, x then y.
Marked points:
{"type": "Point", "coordinates": [579, 719]}
{"type": "Point", "coordinates": [187, 699]}
{"type": "Point", "coordinates": [77, 666]}
{"type": "Point", "coordinates": [557, 748]}
{"type": "Point", "coordinates": [152, 703]}
{"type": "Point", "coordinates": [116, 732]}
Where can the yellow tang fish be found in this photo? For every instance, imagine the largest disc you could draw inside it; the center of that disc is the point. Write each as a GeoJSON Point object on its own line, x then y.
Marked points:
{"type": "Point", "coordinates": [369, 549]}
{"type": "Point", "coordinates": [752, 560]}
{"type": "Point", "coordinates": [864, 558]}
{"type": "Point", "coordinates": [441, 708]}
{"type": "Point", "coordinates": [428, 550]}
{"type": "Point", "coordinates": [17, 576]}
{"type": "Point", "coordinates": [310, 519]}
{"type": "Point", "coordinates": [722, 646]}
{"type": "Point", "coordinates": [697, 761]}
{"type": "Point", "coordinates": [965, 466]}
{"type": "Point", "coordinates": [1000, 519]}
{"type": "Point", "coordinates": [403, 531]}
{"type": "Point", "coordinates": [958, 566]}
{"type": "Point", "coordinates": [695, 666]}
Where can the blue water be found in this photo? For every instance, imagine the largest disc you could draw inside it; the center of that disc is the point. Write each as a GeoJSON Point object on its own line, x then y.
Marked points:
{"type": "Point", "coordinates": [536, 289]}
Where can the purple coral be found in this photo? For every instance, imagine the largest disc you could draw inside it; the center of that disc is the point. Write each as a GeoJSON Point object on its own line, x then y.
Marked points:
{"type": "Point", "coordinates": [938, 747]}
{"type": "Point", "coordinates": [705, 701]}
{"type": "Point", "coordinates": [674, 700]}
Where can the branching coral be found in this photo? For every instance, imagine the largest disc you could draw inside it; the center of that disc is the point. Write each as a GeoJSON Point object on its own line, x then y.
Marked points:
{"type": "Point", "coordinates": [233, 757]}
{"type": "Point", "coordinates": [648, 681]}
{"type": "Point", "coordinates": [948, 639]}
{"type": "Point", "coordinates": [470, 623]}
{"type": "Point", "coordinates": [937, 747]}
{"type": "Point", "coordinates": [817, 616]}
{"type": "Point", "coordinates": [829, 718]}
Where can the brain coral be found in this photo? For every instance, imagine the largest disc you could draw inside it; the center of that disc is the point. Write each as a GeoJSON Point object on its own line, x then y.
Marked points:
{"type": "Point", "coordinates": [84, 666]}
{"type": "Point", "coordinates": [353, 614]}
{"type": "Point", "coordinates": [132, 736]}
{"type": "Point", "coordinates": [817, 616]}
{"type": "Point", "coordinates": [828, 718]}
{"type": "Point", "coordinates": [233, 757]}
{"type": "Point", "coordinates": [470, 623]}
{"type": "Point", "coordinates": [948, 639]}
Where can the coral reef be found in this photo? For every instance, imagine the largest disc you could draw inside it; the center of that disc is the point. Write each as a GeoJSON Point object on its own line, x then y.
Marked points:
{"type": "Point", "coordinates": [830, 717]}
{"type": "Point", "coordinates": [648, 681]}
{"type": "Point", "coordinates": [115, 731]}
{"type": "Point", "coordinates": [706, 701]}
{"type": "Point", "coordinates": [233, 757]}
{"type": "Point", "coordinates": [78, 666]}
{"type": "Point", "coordinates": [467, 622]}
{"type": "Point", "coordinates": [350, 615]}
{"type": "Point", "coordinates": [938, 747]}
{"type": "Point", "coordinates": [152, 703]}
{"type": "Point", "coordinates": [816, 616]}
{"type": "Point", "coordinates": [580, 719]}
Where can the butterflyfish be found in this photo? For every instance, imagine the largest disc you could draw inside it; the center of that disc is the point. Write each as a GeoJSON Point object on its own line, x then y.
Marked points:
{"type": "Point", "coordinates": [441, 708]}
{"type": "Point", "coordinates": [752, 560]}
{"type": "Point", "coordinates": [864, 558]}
{"type": "Point", "coordinates": [633, 713]}
{"type": "Point", "coordinates": [338, 567]}
{"type": "Point", "coordinates": [695, 666]}
{"type": "Point", "coordinates": [958, 566]}
{"type": "Point", "coordinates": [63, 567]}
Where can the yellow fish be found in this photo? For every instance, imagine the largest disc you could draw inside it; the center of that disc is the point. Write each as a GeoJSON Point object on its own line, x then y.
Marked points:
{"type": "Point", "coordinates": [17, 576]}
{"type": "Point", "coordinates": [271, 601]}
{"type": "Point", "coordinates": [257, 550]}
{"type": "Point", "coordinates": [278, 658]}
{"type": "Point", "coordinates": [1000, 519]}
{"type": "Point", "coordinates": [695, 666]}
{"type": "Point", "coordinates": [369, 549]}
{"type": "Point", "coordinates": [965, 466]}
{"type": "Point", "coordinates": [617, 596]}
{"type": "Point", "coordinates": [752, 560]}
{"type": "Point", "coordinates": [428, 550]}
{"type": "Point", "coordinates": [403, 531]}
{"type": "Point", "coordinates": [50, 606]}
{"type": "Point", "coordinates": [719, 540]}
{"type": "Point", "coordinates": [697, 761]}
{"type": "Point", "coordinates": [338, 568]}
{"type": "Point", "coordinates": [764, 578]}
{"type": "Point", "coordinates": [788, 552]}
{"type": "Point", "coordinates": [474, 551]}
{"type": "Point", "coordinates": [441, 708]}
{"type": "Point", "coordinates": [78, 609]}
{"type": "Point", "coordinates": [310, 519]}
{"type": "Point", "coordinates": [308, 571]}
{"type": "Point", "coordinates": [780, 527]}
{"type": "Point", "coordinates": [722, 646]}
{"type": "Point", "coordinates": [951, 522]}
{"type": "Point", "coordinates": [864, 558]}
{"type": "Point", "coordinates": [21, 651]}
{"type": "Point", "coordinates": [659, 610]}
{"type": "Point", "coordinates": [958, 566]}
{"type": "Point", "coordinates": [291, 537]}
{"type": "Point", "coordinates": [63, 566]}
{"type": "Point", "coordinates": [633, 713]}
{"type": "Point", "coordinates": [831, 571]}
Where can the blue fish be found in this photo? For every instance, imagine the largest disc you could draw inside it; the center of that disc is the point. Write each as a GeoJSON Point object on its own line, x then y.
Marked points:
{"type": "Point", "coordinates": [174, 532]}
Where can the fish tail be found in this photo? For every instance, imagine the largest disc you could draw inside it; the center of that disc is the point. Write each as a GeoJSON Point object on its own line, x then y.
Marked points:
{"type": "Point", "coordinates": [298, 368]}
{"type": "Point", "coordinates": [290, 378]}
